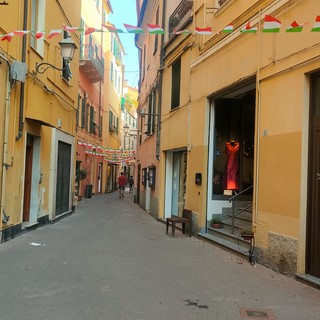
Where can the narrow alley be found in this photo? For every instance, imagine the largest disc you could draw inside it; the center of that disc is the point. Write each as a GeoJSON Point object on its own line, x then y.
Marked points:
{"type": "Point", "coordinates": [111, 260]}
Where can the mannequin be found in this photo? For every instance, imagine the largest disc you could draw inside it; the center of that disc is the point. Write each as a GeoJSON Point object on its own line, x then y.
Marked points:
{"type": "Point", "coordinates": [232, 165]}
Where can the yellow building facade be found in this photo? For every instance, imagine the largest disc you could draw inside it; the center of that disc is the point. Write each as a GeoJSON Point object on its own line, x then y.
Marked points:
{"type": "Point", "coordinates": [239, 125]}
{"type": "Point", "coordinates": [38, 108]}
{"type": "Point", "coordinates": [148, 141]}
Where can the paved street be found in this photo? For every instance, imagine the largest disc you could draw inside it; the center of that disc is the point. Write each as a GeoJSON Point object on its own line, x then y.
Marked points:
{"type": "Point", "coordinates": [111, 260]}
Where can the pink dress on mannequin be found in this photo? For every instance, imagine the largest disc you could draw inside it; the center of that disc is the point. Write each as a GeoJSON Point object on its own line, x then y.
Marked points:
{"type": "Point", "coordinates": [232, 165]}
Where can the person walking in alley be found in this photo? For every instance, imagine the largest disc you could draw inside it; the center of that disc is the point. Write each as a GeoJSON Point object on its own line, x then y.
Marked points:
{"type": "Point", "coordinates": [122, 184]}
{"type": "Point", "coordinates": [131, 181]}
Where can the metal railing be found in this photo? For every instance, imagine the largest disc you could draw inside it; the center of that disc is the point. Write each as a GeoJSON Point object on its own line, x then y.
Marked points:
{"type": "Point", "coordinates": [233, 200]}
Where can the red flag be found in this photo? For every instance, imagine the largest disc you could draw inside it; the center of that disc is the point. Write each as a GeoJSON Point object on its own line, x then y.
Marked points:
{"type": "Point", "coordinates": [90, 30]}
{"type": "Point", "coordinates": [8, 37]}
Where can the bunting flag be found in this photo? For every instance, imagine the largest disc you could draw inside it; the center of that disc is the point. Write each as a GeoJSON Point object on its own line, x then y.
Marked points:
{"type": "Point", "coordinates": [111, 28]}
{"type": "Point", "coordinates": [7, 37]}
{"type": "Point", "coordinates": [21, 32]}
{"type": "Point", "coordinates": [133, 29]}
{"type": "Point", "coordinates": [228, 28]}
{"type": "Point", "coordinates": [248, 28]}
{"type": "Point", "coordinates": [181, 31]}
{"type": "Point", "coordinates": [155, 29]}
{"type": "Point", "coordinates": [271, 24]}
{"type": "Point", "coordinates": [39, 34]}
{"type": "Point", "coordinates": [72, 29]}
{"type": "Point", "coordinates": [295, 27]}
{"type": "Point", "coordinates": [316, 27]}
{"type": "Point", "coordinates": [90, 30]}
{"type": "Point", "coordinates": [207, 30]}
{"type": "Point", "coordinates": [54, 33]}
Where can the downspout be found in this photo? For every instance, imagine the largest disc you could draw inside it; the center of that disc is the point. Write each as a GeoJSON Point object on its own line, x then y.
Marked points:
{"type": "Point", "coordinates": [23, 59]}
{"type": "Point", "coordinates": [160, 83]}
{"type": "Point", "coordinates": [4, 217]}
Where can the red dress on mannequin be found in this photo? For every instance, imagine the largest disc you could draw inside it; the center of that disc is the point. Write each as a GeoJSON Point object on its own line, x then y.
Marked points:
{"type": "Point", "coordinates": [232, 165]}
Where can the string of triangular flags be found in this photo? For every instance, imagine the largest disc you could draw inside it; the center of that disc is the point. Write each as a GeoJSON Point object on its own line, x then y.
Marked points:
{"type": "Point", "coordinates": [113, 155]}
{"type": "Point", "coordinates": [270, 25]}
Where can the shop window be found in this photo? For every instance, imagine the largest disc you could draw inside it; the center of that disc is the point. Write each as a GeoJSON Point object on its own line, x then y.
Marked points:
{"type": "Point", "coordinates": [175, 86]}
{"type": "Point", "coordinates": [233, 145]}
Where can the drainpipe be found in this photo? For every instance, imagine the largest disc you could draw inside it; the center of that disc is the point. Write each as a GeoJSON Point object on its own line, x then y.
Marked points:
{"type": "Point", "coordinates": [23, 59]}
{"type": "Point", "coordinates": [4, 163]}
{"type": "Point", "coordinates": [160, 82]}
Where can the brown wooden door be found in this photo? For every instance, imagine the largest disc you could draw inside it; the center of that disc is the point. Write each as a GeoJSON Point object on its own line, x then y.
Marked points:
{"type": "Point", "coordinates": [27, 179]}
{"type": "Point", "coordinates": [313, 218]}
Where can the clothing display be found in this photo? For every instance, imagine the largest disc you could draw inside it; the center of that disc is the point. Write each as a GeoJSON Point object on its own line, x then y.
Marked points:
{"type": "Point", "coordinates": [232, 165]}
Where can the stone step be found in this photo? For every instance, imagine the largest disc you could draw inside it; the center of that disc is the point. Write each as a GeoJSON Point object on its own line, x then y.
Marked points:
{"type": "Point", "coordinates": [236, 247]}
{"type": "Point", "coordinates": [226, 235]}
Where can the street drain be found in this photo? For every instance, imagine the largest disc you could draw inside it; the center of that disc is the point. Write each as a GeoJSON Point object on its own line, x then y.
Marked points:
{"type": "Point", "coordinates": [257, 314]}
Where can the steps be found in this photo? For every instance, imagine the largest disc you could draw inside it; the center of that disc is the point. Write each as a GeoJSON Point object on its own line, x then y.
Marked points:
{"type": "Point", "coordinates": [224, 236]}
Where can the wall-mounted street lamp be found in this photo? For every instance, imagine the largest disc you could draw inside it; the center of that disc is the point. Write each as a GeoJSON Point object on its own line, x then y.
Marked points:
{"type": "Point", "coordinates": [127, 133]}
{"type": "Point", "coordinates": [68, 48]}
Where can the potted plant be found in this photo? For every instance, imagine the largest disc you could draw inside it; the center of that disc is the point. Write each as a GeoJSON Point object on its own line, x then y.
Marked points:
{"type": "Point", "coordinates": [247, 234]}
{"type": "Point", "coordinates": [81, 174]}
{"type": "Point", "coordinates": [216, 222]}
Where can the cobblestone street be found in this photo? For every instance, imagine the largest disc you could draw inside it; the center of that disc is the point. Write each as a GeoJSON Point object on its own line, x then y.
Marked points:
{"type": "Point", "coordinates": [111, 260]}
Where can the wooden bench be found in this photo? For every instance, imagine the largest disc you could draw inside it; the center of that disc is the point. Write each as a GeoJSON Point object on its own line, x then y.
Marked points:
{"type": "Point", "coordinates": [185, 219]}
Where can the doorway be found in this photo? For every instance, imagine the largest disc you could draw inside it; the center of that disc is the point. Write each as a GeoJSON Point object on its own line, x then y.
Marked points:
{"type": "Point", "coordinates": [231, 147]}
{"type": "Point", "coordinates": [313, 211]}
{"type": "Point", "coordinates": [32, 179]}
{"type": "Point", "coordinates": [63, 178]}
{"type": "Point", "coordinates": [176, 180]}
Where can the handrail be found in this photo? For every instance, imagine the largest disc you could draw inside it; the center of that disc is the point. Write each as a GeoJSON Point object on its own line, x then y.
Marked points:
{"type": "Point", "coordinates": [232, 199]}
{"type": "Point", "coordinates": [240, 193]}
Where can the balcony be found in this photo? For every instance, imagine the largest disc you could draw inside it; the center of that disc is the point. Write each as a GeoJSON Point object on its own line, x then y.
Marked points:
{"type": "Point", "coordinates": [181, 16]}
{"type": "Point", "coordinates": [91, 65]}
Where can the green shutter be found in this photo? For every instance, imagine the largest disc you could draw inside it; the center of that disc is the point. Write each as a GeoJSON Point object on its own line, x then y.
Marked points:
{"type": "Point", "coordinates": [91, 119]}
{"type": "Point", "coordinates": [83, 113]}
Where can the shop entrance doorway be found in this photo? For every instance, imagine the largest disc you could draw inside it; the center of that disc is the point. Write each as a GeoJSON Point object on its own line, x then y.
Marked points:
{"type": "Point", "coordinates": [231, 147]}
{"type": "Point", "coordinates": [176, 179]}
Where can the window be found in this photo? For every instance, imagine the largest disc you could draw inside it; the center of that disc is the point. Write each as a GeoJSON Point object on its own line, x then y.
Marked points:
{"type": "Point", "coordinates": [113, 122]}
{"type": "Point", "coordinates": [175, 86]}
{"type": "Point", "coordinates": [144, 61]}
{"type": "Point", "coordinates": [66, 71]}
{"type": "Point", "coordinates": [101, 126]}
{"type": "Point", "coordinates": [111, 71]}
{"type": "Point", "coordinates": [156, 36]}
{"type": "Point", "coordinates": [82, 39]}
{"type": "Point", "coordinates": [91, 126]}
{"type": "Point", "coordinates": [37, 24]}
{"type": "Point", "coordinates": [87, 117]}
{"type": "Point", "coordinates": [151, 112]}
{"type": "Point", "coordinates": [78, 110]}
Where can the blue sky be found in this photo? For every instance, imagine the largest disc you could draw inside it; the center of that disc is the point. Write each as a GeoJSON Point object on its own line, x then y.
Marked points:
{"type": "Point", "coordinates": [124, 11]}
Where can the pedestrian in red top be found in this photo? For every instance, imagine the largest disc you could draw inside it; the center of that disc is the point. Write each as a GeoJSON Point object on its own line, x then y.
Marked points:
{"type": "Point", "coordinates": [122, 184]}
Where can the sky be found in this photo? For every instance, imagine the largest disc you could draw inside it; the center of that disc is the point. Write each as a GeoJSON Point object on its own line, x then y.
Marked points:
{"type": "Point", "coordinates": [124, 11]}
